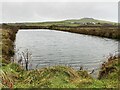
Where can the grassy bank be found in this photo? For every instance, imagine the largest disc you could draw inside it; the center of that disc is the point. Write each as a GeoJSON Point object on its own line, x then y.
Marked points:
{"type": "Point", "coordinates": [8, 34]}
{"type": "Point", "coordinates": [13, 76]}
{"type": "Point", "coordinates": [101, 31]}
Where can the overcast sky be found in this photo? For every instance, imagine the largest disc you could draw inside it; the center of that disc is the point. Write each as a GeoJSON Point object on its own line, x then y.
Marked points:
{"type": "Point", "coordinates": [51, 11]}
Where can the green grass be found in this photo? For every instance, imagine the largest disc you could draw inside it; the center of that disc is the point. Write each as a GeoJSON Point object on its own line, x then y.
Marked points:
{"type": "Point", "coordinates": [51, 77]}
{"type": "Point", "coordinates": [55, 77]}
{"type": "Point", "coordinates": [110, 78]}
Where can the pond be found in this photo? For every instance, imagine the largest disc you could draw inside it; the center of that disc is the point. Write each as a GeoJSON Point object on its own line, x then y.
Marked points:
{"type": "Point", "coordinates": [50, 47]}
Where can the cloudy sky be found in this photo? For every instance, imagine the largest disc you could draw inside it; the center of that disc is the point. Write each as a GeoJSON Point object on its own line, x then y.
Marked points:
{"type": "Point", "coordinates": [52, 11]}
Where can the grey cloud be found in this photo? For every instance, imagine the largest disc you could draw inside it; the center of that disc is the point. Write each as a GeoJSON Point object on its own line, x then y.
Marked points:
{"type": "Point", "coordinates": [43, 11]}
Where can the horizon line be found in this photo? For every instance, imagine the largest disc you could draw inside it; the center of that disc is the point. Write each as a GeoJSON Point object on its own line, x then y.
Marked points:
{"type": "Point", "coordinates": [58, 20]}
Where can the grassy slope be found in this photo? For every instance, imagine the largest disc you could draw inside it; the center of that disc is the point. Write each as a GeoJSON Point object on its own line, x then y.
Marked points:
{"type": "Point", "coordinates": [57, 77]}
{"type": "Point", "coordinates": [85, 20]}
{"type": "Point", "coordinates": [68, 22]}
{"type": "Point", "coordinates": [52, 77]}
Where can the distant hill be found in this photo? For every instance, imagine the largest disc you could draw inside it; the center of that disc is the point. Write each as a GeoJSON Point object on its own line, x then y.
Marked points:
{"type": "Point", "coordinates": [88, 20]}
{"type": "Point", "coordinates": [71, 22]}
{"type": "Point", "coordinates": [79, 22]}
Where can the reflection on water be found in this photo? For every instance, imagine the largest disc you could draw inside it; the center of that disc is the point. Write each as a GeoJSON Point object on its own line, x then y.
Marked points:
{"type": "Point", "coordinates": [49, 47]}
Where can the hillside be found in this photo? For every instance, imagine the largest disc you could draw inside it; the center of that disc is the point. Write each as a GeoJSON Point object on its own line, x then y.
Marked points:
{"type": "Point", "coordinates": [89, 20]}
{"type": "Point", "coordinates": [71, 22]}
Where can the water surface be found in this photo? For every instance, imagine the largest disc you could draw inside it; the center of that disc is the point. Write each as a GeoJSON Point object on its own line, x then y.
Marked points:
{"type": "Point", "coordinates": [50, 47]}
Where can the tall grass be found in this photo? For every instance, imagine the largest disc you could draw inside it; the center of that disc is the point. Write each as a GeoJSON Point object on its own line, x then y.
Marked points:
{"type": "Point", "coordinates": [8, 37]}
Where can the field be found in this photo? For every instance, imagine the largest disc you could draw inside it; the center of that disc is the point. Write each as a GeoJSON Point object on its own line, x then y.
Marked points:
{"type": "Point", "coordinates": [88, 26]}
{"type": "Point", "coordinates": [15, 76]}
